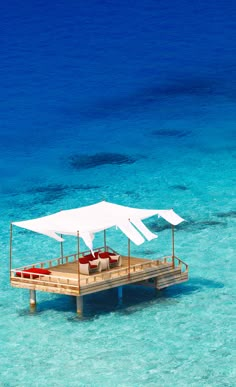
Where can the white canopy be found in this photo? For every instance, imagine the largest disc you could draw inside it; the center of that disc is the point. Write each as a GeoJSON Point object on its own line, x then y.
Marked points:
{"type": "Point", "coordinates": [86, 221]}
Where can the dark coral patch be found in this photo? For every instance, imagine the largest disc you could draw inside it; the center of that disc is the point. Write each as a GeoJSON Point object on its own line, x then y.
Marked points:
{"type": "Point", "coordinates": [59, 188]}
{"type": "Point", "coordinates": [156, 227]}
{"type": "Point", "coordinates": [48, 193]}
{"type": "Point", "coordinates": [53, 192]}
{"type": "Point", "coordinates": [148, 95]}
{"type": "Point", "coordinates": [98, 159]}
{"type": "Point", "coordinates": [189, 226]}
{"type": "Point", "coordinates": [192, 226]}
{"type": "Point", "coordinates": [84, 187]}
{"type": "Point", "coordinates": [229, 214]}
{"type": "Point", "coordinates": [175, 133]}
{"type": "Point", "coordinates": [51, 188]}
{"type": "Point", "coordinates": [188, 86]}
{"type": "Point", "coordinates": [179, 187]}
{"type": "Point", "coordinates": [149, 252]}
{"type": "Point", "coordinates": [206, 223]}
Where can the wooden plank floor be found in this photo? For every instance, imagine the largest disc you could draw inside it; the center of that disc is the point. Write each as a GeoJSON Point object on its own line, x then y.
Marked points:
{"type": "Point", "coordinates": [70, 270]}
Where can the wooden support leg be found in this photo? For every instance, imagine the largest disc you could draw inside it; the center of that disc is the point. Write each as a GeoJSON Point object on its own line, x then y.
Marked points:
{"type": "Point", "coordinates": [79, 304]}
{"type": "Point", "coordinates": [156, 286]}
{"type": "Point", "coordinates": [120, 295]}
{"type": "Point", "coordinates": [32, 298]}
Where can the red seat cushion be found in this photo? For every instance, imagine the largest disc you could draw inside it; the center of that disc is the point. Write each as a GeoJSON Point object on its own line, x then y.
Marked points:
{"type": "Point", "coordinates": [84, 260]}
{"type": "Point", "coordinates": [104, 255]}
{"type": "Point", "coordinates": [90, 257]}
{"type": "Point", "coordinates": [36, 270]}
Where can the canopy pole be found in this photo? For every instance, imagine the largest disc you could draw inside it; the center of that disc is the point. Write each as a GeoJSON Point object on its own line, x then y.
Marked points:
{"type": "Point", "coordinates": [173, 245]}
{"type": "Point", "coordinates": [78, 262]}
{"type": "Point", "coordinates": [62, 253]}
{"type": "Point", "coordinates": [129, 257]}
{"type": "Point", "coordinates": [10, 252]}
{"type": "Point", "coordinates": [105, 241]}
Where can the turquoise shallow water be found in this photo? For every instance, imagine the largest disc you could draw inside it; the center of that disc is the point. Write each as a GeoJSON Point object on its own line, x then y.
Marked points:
{"type": "Point", "coordinates": [154, 84]}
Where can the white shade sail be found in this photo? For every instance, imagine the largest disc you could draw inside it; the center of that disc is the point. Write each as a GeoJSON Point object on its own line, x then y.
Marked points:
{"type": "Point", "coordinates": [97, 217]}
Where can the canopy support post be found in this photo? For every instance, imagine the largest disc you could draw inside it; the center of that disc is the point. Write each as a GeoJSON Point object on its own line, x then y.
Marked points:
{"type": "Point", "coordinates": [105, 241]}
{"type": "Point", "coordinates": [62, 253]}
{"type": "Point", "coordinates": [78, 262]}
{"type": "Point", "coordinates": [10, 252]}
{"type": "Point", "coordinates": [173, 245]}
{"type": "Point", "coordinates": [128, 259]}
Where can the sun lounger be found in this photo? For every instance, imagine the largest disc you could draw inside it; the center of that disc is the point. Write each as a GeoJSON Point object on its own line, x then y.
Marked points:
{"type": "Point", "coordinates": [32, 273]}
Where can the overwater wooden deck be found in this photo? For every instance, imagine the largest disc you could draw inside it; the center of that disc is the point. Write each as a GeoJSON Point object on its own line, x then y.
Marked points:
{"type": "Point", "coordinates": [64, 278]}
{"type": "Point", "coordinates": [66, 275]}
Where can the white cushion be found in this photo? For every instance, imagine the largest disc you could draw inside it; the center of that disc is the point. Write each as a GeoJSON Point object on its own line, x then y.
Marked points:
{"type": "Point", "coordinates": [84, 268]}
{"type": "Point", "coordinates": [104, 263]}
{"type": "Point", "coordinates": [94, 262]}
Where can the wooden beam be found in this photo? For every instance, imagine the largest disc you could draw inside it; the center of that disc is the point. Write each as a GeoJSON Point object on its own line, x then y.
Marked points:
{"type": "Point", "coordinates": [120, 294]}
{"type": "Point", "coordinates": [105, 241]}
{"type": "Point", "coordinates": [32, 297]}
{"type": "Point", "coordinates": [173, 245]}
{"type": "Point", "coordinates": [128, 258]}
{"type": "Point", "coordinates": [62, 253]}
{"type": "Point", "coordinates": [78, 247]}
{"type": "Point", "coordinates": [64, 278]}
{"type": "Point", "coordinates": [79, 305]}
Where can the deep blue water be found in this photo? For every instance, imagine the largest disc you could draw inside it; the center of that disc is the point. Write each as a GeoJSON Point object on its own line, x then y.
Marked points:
{"type": "Point", "coordinates": [131, 102]}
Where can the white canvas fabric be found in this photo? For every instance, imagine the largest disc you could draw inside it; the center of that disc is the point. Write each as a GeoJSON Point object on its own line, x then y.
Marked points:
{"type": "Point", "coordinates": [144, 230]}
{"type": "Point", "coordinates": [88, 220]}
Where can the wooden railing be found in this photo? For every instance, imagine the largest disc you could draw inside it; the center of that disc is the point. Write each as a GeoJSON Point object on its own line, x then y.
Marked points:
{"type": "Point", "coordinates": [177, 262]}
{"type": "Point", "coordinates": [101, 276]}
{"type": "Point", "coordinates": [62, 260]}
{"type": "Point", "coordinates": [45, 280]}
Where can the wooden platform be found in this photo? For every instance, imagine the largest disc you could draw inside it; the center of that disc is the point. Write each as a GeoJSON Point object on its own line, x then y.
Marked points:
{"type": "Point", "coordinates": [64, 279]}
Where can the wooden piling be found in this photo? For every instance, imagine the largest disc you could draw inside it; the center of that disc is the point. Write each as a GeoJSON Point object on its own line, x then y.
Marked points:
{"type": "Point", "coordinates": [120, 294]}
{"type": "Point", "coordinates": [79, 305]}
{"type": "Point", "coordinates": [32, 297]}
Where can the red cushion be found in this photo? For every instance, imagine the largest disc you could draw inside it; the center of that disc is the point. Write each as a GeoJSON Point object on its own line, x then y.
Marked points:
{"type": "Point", "coordinates": [33, 270]}
{"type": "Point", "coordinates": [84, 260]}
{"type": "Point", "coordinates": [104, 255]}
{"type": "Point", "coordinates": [39, 270]}
{"type": "Point", "coordinates": [89, 257]}
{"type": "Point", "coordinates": [96, 256]}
